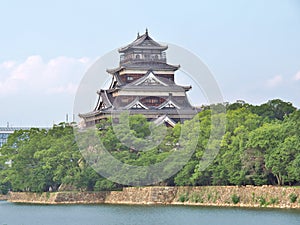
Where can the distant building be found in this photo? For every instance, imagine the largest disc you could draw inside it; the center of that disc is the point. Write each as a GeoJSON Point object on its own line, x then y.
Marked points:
{"type": "Point", "coordinates": [143, 84]}
{"type": "Point", "coordinates": [6, 131]}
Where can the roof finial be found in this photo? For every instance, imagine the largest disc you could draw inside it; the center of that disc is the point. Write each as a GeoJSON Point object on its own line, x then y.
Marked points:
{"type": "Point", "coordinates": [138, 35]}
{"type": "Point", "coordinates": [147, 31]}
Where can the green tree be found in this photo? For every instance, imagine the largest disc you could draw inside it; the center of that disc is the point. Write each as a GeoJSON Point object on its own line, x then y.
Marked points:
{"type": "Point", "coordinates": [280, 158]}
{"type": "Point", "coordinates": [274, 109]}
{"type": "Point", "coordinates": [40, 159]}
{"type": "Point", "coordinates": [262, 144]}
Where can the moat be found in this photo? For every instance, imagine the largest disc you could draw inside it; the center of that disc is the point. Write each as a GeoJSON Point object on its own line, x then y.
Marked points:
{"type": "Point", "coordinates": [16, 214]}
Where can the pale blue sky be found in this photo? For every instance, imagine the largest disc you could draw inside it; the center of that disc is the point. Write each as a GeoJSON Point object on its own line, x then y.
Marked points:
{"type": "Point", "coordinates": [252, 48]}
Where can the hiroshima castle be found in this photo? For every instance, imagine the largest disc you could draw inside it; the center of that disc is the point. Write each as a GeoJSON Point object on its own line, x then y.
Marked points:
{"type": "Point", "coordinates": [143, 83]}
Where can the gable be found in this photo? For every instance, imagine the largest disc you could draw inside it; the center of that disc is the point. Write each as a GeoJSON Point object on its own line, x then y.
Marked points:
{"type": "Point", "coordinates": [136, 105]}
{"type": "Point", "coordinates": [164, 119]}
{"type": "Point", "coordinates": [169, 105]}
{"type": "Point", "coordinates": [150, 80]}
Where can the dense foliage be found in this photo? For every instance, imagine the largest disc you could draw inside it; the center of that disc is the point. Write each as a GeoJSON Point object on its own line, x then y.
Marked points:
{"type": "Point", "coordinates": [261, 146]}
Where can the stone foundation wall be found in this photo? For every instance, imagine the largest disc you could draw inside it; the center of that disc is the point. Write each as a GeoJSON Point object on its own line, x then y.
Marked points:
{"type": "Point", "coordinates": [3, 197]}
{"type": "Point", "coordinates": [58, 197]}
{"type": "Point", "coordinates": [246, 196]}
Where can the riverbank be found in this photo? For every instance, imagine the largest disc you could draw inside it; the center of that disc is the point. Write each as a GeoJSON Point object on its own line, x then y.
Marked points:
{"type": "Point", "coordinates": [3, 197]}
{"type": "Point", "coordinates": [244, 196]}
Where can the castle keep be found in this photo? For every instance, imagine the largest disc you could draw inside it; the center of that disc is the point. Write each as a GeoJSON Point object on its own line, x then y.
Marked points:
{"type": "Point", "coordinates": [143, 83]}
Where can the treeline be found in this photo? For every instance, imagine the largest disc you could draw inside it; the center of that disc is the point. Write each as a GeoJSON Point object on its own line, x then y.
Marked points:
{"type": "Point", "coordinates": [261, 145]}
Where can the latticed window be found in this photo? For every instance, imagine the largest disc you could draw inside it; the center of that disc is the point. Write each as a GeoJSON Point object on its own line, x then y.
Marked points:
{"type": "Point", "coordinates": [152, 101]}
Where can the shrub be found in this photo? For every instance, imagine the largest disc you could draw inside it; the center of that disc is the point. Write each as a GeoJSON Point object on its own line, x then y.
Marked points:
{"type": "Point", "coordinates": [209, 196]}
{"type": "Point", "coordinates": [104, 185]}
{"type": "Point", "coordinates": [235, 199]}
{"type": "Point", "coordinates": [196, 198]}
{"type": "Point", "coordinates": [184, 197]}
{"type": "Point", "coordinates": [215, 197]}
{"type": "Point", "coordinates": [262, 201]}
{"type": "Point", "coordinates": [293, 197]}
{"type": "Point", "coordinates": [4, 188]}
{"type": "Point", "coordinates": [47, 195]}
{"type": "Point", "coordinates": [253, 197]}
{"type": "Point", "coordinates": [274, 201]}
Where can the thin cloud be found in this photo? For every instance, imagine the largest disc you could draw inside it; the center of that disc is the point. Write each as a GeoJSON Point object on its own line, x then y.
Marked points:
{"type": "Point", "coordinates": [275, 81]}
{"type": "Point", "coordinates": [7, 87]}
{"type": "Point", "coordinates": [297, 76]}
{"type": "Point", "coordinates": [68, 89]}
{"type": "Point", "coordinates": [7, 64]}
{"type": "Point", "coordinates": [34, 75]}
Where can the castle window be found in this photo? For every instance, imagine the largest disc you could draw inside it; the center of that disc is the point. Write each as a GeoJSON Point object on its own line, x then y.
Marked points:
{"type": "Point", "coordinates": [137, 56]}
{"type": "Point", "coordinates": [129, 78]}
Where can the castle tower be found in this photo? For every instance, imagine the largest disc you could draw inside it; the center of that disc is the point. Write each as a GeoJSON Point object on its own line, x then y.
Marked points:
{"type": "Point", "coordinates": [143, 83]}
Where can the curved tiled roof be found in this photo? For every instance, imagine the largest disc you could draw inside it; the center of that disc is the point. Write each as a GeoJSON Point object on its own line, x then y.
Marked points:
{"type": "Point", "coordinates": [103, 99]}
{"type": "Point", "coordinates": [166, 84]}
{"type": "Point", "coordinates": [143, 42]}
{"type": "Point", "coordinates": [145, 65]}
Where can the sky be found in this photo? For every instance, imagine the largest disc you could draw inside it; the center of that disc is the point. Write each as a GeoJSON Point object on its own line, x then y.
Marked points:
{"type": "Point", "coordinates": [251, 47]}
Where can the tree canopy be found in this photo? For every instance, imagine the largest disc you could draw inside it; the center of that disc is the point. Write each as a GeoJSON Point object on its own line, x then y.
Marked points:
{"type": "Point", "coordinates": [261, 145]}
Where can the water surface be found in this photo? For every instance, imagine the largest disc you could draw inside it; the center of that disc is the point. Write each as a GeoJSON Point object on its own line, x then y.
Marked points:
{"type": "Point", "coordinates": [21, 214]}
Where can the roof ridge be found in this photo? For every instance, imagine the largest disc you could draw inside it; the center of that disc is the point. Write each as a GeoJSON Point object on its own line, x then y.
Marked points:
{"type": "Point", "coordinates": [139, 40]}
